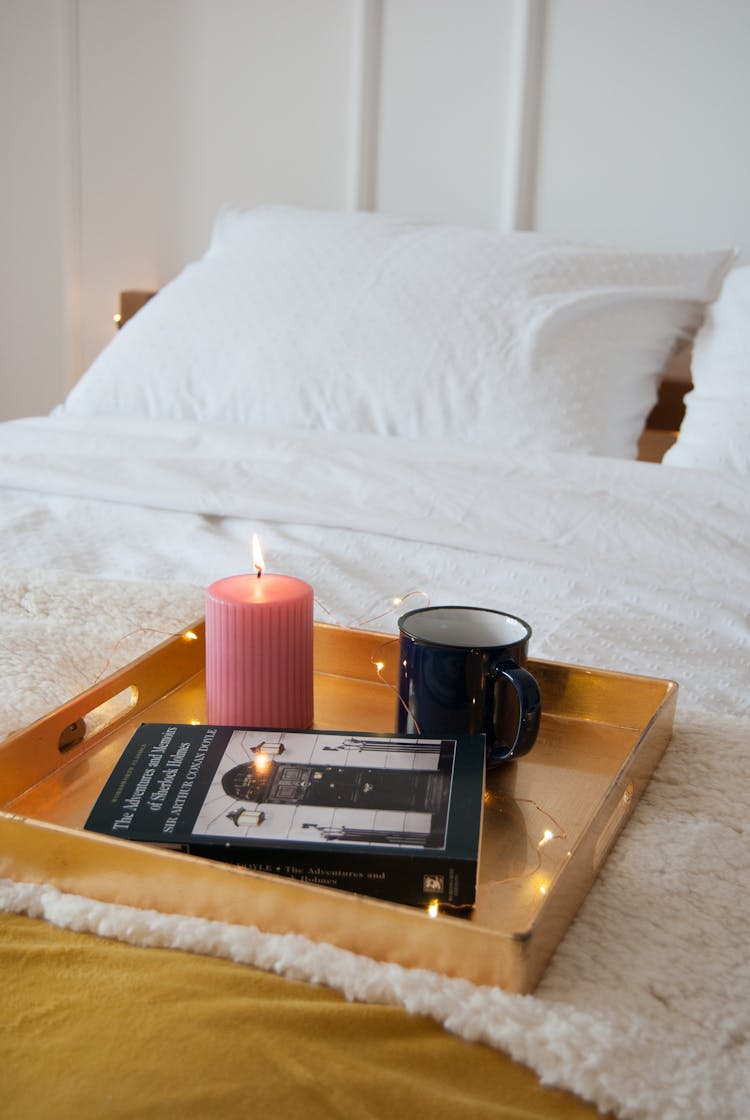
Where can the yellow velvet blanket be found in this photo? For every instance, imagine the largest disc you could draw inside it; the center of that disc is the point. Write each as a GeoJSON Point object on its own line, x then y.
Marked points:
{"type": "Point", "coordinates": [95, 1029]}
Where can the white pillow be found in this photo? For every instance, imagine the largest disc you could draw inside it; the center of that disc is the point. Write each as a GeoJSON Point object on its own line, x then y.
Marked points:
{"type": "Point", "coordinates": [715, 433]}
{"type": "Point", "coordinates": [368, 323]}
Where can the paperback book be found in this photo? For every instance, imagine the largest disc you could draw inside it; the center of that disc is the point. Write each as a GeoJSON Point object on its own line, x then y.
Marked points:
{"type": "Point", "coordinates": [397, 817]}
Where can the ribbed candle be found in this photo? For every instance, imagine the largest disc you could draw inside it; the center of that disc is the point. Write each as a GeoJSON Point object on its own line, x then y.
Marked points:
{"type": "Point", "coordinates": [259, 651]}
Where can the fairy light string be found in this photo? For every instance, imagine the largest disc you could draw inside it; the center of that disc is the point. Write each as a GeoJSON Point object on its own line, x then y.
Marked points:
{"type": "Point", "coordinates": [379, 659]}
{"type": "Point", "coordinates": [493, 803]}
{"type": "Point", "coordinates": [395, 603]}
{"type": "Point", "coordinates": [188, 635]}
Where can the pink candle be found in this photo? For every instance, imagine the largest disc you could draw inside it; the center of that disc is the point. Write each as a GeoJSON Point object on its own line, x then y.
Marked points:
{"type": "Point", "coordinates": [259, 651]}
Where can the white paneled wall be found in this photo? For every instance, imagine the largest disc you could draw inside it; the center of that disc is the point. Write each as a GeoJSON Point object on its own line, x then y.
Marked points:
{"type": "Point", "coordinates": [444, 109]}
{"type": "Point", "coordinates": [190, 105]}
{"type": "Point", "coordinates": [127, 124]}
{"type": "Point", "coordinates": [39, 217]}
{"type": "Point", "coordinates": [645, 111]}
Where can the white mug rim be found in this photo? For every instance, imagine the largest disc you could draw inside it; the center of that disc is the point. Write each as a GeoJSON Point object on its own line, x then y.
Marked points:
{"type": "Point", "coordinates": [452, 644]}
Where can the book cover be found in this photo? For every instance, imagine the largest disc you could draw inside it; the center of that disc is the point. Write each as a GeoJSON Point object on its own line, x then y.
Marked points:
{"type": "Point", "coordinates": [397, 817]}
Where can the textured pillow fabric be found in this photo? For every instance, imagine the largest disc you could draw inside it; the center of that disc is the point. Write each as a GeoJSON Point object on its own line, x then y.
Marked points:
{"type": "Point", "coordinates": [361, 322]}
{"type": "Point", "coordinates": [715, 433]}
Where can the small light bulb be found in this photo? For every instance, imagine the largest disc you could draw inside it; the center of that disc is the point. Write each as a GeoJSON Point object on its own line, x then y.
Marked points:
{"type": "Point", "coordinates": [190, 636]}
{"type": "Point", "coordinates": [380, 665]}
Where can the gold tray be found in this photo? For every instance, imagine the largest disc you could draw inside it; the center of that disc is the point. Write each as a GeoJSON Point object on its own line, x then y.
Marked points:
{"type": "Point", "coordinates": [550, 818]}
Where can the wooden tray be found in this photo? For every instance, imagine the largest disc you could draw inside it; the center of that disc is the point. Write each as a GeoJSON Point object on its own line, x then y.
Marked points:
{"type": "Point", "coordinates": [550, 818]}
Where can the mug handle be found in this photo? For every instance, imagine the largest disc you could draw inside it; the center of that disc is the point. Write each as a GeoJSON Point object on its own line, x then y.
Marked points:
{"type": "Point", "coordinates": [530, 707]}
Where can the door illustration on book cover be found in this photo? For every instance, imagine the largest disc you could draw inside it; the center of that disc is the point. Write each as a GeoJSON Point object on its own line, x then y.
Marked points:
{"type": "Point", "coordinates": [346, 789]}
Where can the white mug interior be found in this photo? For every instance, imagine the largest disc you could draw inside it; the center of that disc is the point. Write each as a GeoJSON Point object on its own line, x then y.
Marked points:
{"type": "Point", "coordinates": [465, 627]}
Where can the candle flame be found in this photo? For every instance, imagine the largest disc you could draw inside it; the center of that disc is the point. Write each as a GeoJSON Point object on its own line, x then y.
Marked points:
{"type": "Point", "coordinates": [257, 556]}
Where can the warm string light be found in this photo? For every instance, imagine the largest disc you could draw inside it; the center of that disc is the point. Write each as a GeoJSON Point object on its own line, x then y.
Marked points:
{"type": "Point", "coordinates": [258, 565]}
{"type": "Point", "coordinates": [262, 760]}
{"type": "Point", "coordinates": [379, 665]}
{"type": "Point", "coordinates": [547, 837]}
{"type": "Point", "coordinates": [395, 604]}
{"type": "Point", "coordinates": [323, 607]}
{"type": "Point", "coordinates": [376, 657]}
{"type": "Point", "coordinates": [378, 661]}
{"type": "Point", "coordinates": [82, 726]}
{"type": "Point", "coordinates": [187, 636]}
{"type": "Point", "coordinates": [436, 907]}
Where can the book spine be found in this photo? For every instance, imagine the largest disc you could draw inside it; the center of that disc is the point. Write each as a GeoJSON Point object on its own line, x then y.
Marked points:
{"type": "Point", "coordinates": [450, 882]}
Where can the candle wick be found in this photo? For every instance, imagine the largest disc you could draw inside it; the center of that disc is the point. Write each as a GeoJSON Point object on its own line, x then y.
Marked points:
{"type": "Point", "coordinates": [259, 573]}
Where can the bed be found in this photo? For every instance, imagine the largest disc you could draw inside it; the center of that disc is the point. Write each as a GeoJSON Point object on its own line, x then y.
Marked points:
{"type": "Point", "coordinates": [404, 412]}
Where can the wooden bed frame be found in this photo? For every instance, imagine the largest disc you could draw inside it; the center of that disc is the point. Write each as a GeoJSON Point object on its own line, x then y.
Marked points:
{"type": "Point", "coordinates": [664, 420]}
{"type": "Point", "coordinates": [662, 424]}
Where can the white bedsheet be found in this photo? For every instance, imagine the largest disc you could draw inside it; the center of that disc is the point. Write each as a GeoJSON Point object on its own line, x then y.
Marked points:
{"type": "Point", "coordinates": [627, 566]}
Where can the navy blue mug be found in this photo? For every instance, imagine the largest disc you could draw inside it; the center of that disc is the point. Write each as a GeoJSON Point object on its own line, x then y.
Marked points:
{"type": "Point", "coordinates": [463, 670]}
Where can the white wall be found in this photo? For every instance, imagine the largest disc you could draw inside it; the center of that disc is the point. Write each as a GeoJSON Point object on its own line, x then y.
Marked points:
{"type": "Point", "coordinates": [444, 109]}
{"type": "Point", "coordinates": [645, 112]}
{"type": "Point", "coordinates": [189, 105]}
{"type": "Point", "coordinates": [39, 277]}
{"type": "Point", "coordinates": [126, 125]}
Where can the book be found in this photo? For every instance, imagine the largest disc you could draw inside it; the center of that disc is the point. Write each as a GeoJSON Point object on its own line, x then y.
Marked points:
{"type": "Point", "coordinates": [397, 817]}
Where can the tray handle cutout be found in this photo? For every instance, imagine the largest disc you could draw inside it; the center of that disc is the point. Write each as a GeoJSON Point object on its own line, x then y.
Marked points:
{"type": "Point", "coordinates": [111, 710]}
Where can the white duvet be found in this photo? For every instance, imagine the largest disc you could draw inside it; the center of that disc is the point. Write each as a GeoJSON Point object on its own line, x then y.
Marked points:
{"type": "Point", "coordinates": [627, 566]}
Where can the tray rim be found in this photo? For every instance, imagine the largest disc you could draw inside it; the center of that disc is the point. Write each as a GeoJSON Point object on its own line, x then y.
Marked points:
{"type": "Point", "coordinates": [315, 905]}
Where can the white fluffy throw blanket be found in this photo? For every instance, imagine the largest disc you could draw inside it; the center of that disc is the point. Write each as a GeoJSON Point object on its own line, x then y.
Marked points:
{"type": "Point", "coordinates": [645, 1007]}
